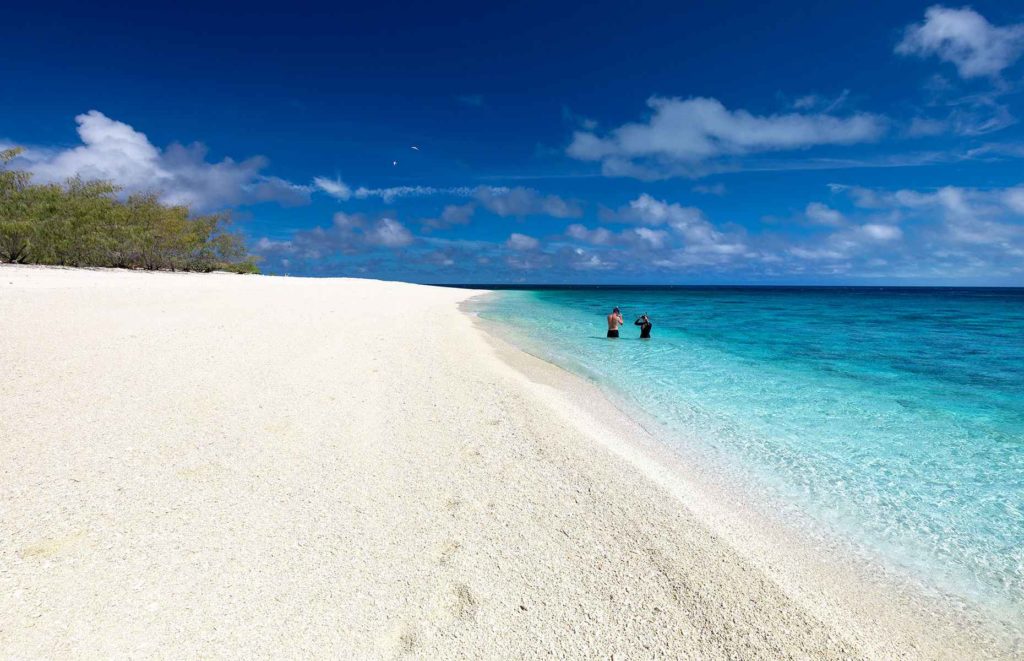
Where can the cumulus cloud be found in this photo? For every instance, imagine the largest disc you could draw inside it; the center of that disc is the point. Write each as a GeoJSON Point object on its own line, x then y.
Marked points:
{"type": "Point", "coordinates": [820, 214]}
{"type": "Point", "coordinates": [520, 202]}
{"type": "Point", "coordinates": [860, 244]}
{"type": "Point", "coordinates": [942, 233]}
{"type": "Point", "coordinates": [114, 151]}
{"type": "Point", "coordinates": [953, 218]}
{"type": "Point", "coordinates": [687, 222]}
{"type": "Point", "coordinates": [500, 200]}
{"type": "Point", "coordinates": [1014, 199]}
{"type": "Point", "coordinates": [652, 234]}
{"type": "Point", "coordinates": [684, 231]}
{"type": "Point", "coordinates": [518, 241]}
{"type": "Point", "coordinates": [599, 236]}
{"type": "Point", "coordinates": [641, 238]}
{"type": "Point", "coordinates": [949, 232]}
{"type": "Point", "coordinates": [684, 136]}
{"type": "Point", "coordinates": [451, 215]}
{"type": "Point", "coordinates": [348, 235]}
{"type": "Point", "coordinates": [580, 259]}
{"type": "Point", "coordinates": [645, 236]}
{"type": "Point", "coordinates": [816, 254]}
{"type": "Point", "coordinates": [389, 233]}
{"type": "Point", "coordinates": [964, 38]}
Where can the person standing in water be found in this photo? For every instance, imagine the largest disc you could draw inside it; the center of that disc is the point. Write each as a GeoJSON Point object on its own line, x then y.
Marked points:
{"type": "Point", "coordinates": [614, 321]}
{"type": "Point", "coordinates": [644, 322]}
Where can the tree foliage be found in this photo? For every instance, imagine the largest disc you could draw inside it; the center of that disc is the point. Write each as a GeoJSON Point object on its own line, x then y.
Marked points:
{"type": "Point", "coordinates": [84, 223]}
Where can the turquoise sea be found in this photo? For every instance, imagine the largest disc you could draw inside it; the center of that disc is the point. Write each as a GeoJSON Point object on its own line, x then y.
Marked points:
{"type": "Point", "coordinates": [893, 418]}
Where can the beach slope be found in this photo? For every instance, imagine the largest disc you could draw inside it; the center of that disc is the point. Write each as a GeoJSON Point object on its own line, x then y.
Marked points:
{"type": "Point", "coordinates": [237, 466]}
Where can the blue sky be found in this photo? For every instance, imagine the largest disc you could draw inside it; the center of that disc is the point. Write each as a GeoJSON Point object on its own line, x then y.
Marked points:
{"type": "Point", "coordinates": [611, 142]}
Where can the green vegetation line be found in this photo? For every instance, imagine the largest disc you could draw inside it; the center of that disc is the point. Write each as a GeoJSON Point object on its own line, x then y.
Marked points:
{"type": "Point", "coordinates": [84, 223]}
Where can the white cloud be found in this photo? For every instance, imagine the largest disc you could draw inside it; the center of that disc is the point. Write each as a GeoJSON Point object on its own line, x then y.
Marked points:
{"type": "Point", "coordinates": [982, 219]}
{"type": "Point", "coordinates": [964, 38]}
{"type": "Point", "coordinates": [333, 187]}
{"type": "Point", "coordinates": [525, 202]}
{"type": "Point", "coordinates": [388, 195]}
{"type": "Point", "coordinates": [500, 200]}
{"type": "Point", "coordinates": [686, 223]}
{"type": "Point", "coordinates": [845, 246]}
{"type": "Point", "coordinates": [643, 238]}
{"type": "Point", "coordinates": [1014, 199]}
{"type": "Point", "coordinates": [348, 235]}
{"type": "Point", "coordinates": [269, 245]}
{"type": "Point", "coordinates": [599, 236]}
{"type": "Point", "coordinates": [522, 242]}
{"type": "Point", "coordinates": [683, 135]}
{"type": "Point", "coordinates": [815, 254]}
{"type": "Point", "coordinates": [347, 221]}
{"type": "Point", "coordinates": [580, 259]}
{"type": "Point", "coordinates": [880, 232]}
{"type": "Point", "coordinates": [389, 233]}
{"type": "Point", "coordinates": [338, 189]}
{"type": "Point", "coordinates": [655, 239]}
{"type": "Point", "coordinates": [648, 211]}
{"type": "Point", "coordinates": [458, 214]}
{"type": "Point", "coordinates": [945, 233]}
{"type": "Point", "coordinates": [820, 214]}
{"type": "Point", "coordinates": [451, 215]}
{"type": "Point", "coordinates": [114, 151]}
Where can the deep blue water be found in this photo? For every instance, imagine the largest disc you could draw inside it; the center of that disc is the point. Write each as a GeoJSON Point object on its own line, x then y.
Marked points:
{"type": "Point", "coordinates": [893, 417]}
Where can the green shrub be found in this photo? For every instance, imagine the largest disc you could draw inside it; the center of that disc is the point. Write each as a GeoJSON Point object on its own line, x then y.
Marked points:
{"type": "Point", "coordinates": [83, 223]}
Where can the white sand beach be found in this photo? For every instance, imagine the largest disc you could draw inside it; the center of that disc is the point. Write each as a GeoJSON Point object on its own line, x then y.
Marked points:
{"type": "Point", "coordinates": [227, 466]}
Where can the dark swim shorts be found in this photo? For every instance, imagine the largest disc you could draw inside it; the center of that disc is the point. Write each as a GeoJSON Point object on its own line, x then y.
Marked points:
{"type": "Point", "coordinates": [613, 333]}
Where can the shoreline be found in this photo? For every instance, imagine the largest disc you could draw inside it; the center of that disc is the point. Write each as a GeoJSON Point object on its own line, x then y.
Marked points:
{"type": "Point", "coordinates": [256, 466]}
{"type": "Point", "coordinates": [820, 569]}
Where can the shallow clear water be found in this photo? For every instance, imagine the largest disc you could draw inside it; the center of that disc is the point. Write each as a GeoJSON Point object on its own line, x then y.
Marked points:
{"type": "Point", "coordinates": [893, 417]}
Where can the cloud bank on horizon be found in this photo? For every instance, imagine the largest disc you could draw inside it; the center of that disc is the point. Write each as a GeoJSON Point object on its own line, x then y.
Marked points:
{"type": "Point", "coordinates": [607, 223]}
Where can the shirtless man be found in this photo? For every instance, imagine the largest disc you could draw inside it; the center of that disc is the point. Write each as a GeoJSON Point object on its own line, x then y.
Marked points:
{"type": "Point", "coordinates": [614, 321]}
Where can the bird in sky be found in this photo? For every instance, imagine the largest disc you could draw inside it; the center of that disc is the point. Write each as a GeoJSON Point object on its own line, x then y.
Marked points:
{"type": "Point", "coordinates": [415, 147]}
{"type": "Point", "coordinates": [393, 163]}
